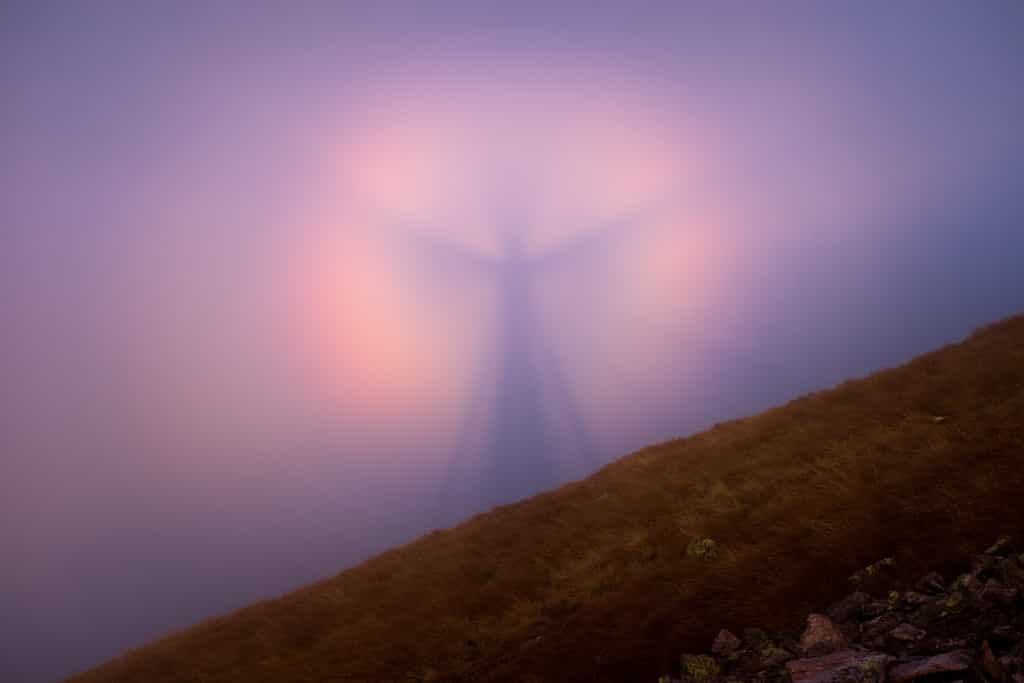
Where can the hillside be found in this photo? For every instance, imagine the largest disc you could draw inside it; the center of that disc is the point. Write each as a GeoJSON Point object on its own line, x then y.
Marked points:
{"type": "Point", "coordinates": [593, 581]}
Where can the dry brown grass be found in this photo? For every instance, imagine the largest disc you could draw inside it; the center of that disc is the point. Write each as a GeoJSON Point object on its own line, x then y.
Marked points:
{"type": "Point", "coordinates": [592, 582]}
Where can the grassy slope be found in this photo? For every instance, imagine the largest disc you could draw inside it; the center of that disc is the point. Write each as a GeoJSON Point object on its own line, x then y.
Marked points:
{"type": "Point", "coordinates": [798, 498]}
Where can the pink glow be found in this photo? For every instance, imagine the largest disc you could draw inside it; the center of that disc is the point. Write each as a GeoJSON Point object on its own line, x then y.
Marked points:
{"type": "Point", "coordinates": [421, 152]}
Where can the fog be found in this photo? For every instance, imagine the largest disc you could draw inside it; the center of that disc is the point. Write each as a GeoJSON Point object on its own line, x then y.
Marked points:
{"type": "Point", "coordinates": [281, 288]}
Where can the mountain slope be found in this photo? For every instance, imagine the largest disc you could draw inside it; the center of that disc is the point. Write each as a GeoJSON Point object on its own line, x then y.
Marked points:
{"type": "Point", "coordinates": [593, 582]}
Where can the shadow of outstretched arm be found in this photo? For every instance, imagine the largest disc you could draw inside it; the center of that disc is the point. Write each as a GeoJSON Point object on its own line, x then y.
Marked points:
{"type": "Point", "coordinates": [601, 239]}
{"type": "Point", "coordinates": [425, 250]}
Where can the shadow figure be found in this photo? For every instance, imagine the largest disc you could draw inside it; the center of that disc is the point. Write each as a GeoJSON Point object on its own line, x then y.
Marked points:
{"type": "Point", "coordinates": [507, 448]}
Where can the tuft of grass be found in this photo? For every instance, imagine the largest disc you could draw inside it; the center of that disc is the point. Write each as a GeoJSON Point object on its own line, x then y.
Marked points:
{"type": "Point", "coordinates": [592, 581]}
{"type": "Point", "coordinates": [999, 546]}
{"type": "Point", "coordinates": [872, 570]}
{"type": "Point", "coordinates": [699, 668]}
{"type": "Point", "coordinates": [702, 549]}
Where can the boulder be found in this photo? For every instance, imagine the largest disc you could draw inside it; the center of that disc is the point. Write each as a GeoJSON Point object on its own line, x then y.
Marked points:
{"type": "Point", "coordinates": [948, 662]}
{"type": "Point", "coordinates": [842, 666]}
{"type": "Point", "coordinates": [821, 637]}
{"type": "Point", "coordinates": [725, 643]}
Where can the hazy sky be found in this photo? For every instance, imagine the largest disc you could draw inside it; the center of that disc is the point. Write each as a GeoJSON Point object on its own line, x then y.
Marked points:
{"type": "Point", "coordinates": [284, 284]}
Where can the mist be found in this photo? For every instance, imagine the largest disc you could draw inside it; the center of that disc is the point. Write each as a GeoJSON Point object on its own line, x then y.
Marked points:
{"type": "Point", "coordinates": [282, 288]}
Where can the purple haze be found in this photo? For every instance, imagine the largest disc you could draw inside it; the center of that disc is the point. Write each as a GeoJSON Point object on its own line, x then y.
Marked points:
{"type": "Point", "coordinates": [283, 286]}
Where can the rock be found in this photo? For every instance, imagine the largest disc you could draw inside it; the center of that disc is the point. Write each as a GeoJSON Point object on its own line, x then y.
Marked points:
{"type": "Point", "coordinates": [914, 599]}
{"type": "Point", "coordinates": [928, 613]}
{"type": "Point", "coordinates": [1011, 665]}
{"type": "Point", "coordinates": [821, 637]}
{"type": "Point", "coordinates": [881, 626]}
{"type": "Point", "coordinates": [725, 643]}
{"type": "Point", "coordinates": [984, 566]}
{"type": "Point", "coordinates": [773, 655]}
{"type": "Point", "coordinates": [875, 608]}
{"type": "Point", "coordinates": [970, 630]}
{"type": "Point", "coordinates": [1004, 636]}
{"type": "Point", "coordinates": [948, 662]}
{"type": "Point", "coordinates": [989, 664]}
{"type": "Point", "coordinates": [994, 591]}
{"type": "Point", "coordinates": [843, 666]}
{"type": "Point", "coordinates": [953, 643]}
{"type": "Point", "coordinates": [907, 633]}
{"type": "Point", "coordinates": [849, 608]}
{"type": "Point", "coordinates": [952, 604]}
{"type": "Point", "coordinates": [968, 582]}
{"type": "Point", "coordinates": [931, 583]}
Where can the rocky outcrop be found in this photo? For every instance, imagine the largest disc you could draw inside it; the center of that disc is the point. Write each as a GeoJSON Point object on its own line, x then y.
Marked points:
{"type": "Point", "coordinates": [969, 630]}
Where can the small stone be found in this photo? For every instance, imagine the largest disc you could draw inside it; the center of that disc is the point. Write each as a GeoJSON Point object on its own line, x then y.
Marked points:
{"type": "Point", "coordinates": [952, 643]}
{"type": "Point", "coordinates": [931, 583]}
{"type": "Point", "coordinates": [849, 666]}
{"type": "Point", "coordinates": [948, 662]}
{"type": "Point", "coordinates": [915, 599]}
{"type": "Point", "coordinates": [725, 643]}
{"type": "Point", "coordinates": [907, 633]}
